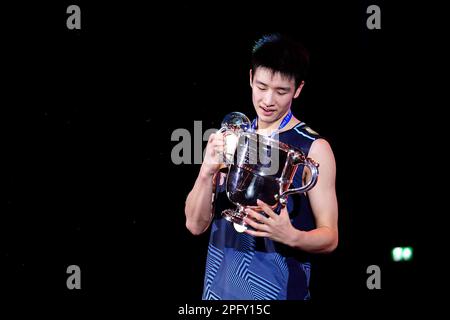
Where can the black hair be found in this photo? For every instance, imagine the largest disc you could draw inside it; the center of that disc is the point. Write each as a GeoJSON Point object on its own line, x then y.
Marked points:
{"type": "Point", "coordinates": [280, 53]}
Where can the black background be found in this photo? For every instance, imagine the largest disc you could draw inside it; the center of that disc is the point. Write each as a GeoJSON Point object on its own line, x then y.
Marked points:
{"type": "Point", "coordinates": [88, 116]}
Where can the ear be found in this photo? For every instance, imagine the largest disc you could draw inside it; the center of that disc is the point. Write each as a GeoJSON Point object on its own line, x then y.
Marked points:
{"type": "Point", "coordinates": [251, 78]}
{"type": "Point", "coordinates": [299, 89]}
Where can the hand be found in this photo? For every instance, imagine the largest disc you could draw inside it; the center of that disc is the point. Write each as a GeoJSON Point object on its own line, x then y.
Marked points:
{"type": "Point", "coordinates": [276, 227]}
{"type": "Point", "coordinates": [213, 154]}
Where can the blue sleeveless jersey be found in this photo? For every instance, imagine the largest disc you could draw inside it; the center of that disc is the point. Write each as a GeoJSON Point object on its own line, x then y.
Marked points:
{"type": "Point", "coordinates": [242, 267]}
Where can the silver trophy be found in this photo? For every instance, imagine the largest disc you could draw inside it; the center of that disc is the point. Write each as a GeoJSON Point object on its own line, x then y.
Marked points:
{"type": "Point", "coordinates": [259, 167]}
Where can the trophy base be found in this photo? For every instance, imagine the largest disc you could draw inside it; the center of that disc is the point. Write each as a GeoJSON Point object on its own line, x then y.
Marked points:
{"type": "Point", "coordinates": [237, 218]}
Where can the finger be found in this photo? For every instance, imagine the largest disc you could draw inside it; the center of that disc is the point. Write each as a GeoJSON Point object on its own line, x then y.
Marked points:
{"type": "Point", "coordinates": [256, 215]}
{"type": "Point", "coordinates": [215, 137]}
{"type": "Point", "coordinates": [218, 149]}
{"type": "Point", "coordinates": [213, 160]}
{"type": "Point", "coordinates": [267, 209]}
{"type": "Point", "coordinates": [256, 233]}
{"type": "Point", "coordinates": [220, 142]}
{"type": "Point", "coordinates": [216, 144]}
{"type": "Point", "coordinates": [255, 225]}
{"type": "Point", "coordinates": [219, 137]}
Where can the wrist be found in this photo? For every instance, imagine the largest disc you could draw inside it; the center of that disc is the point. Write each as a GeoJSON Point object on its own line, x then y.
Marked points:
{"type": "Point", "coordinates": [205, 173]}
{"type": "Point", "coordinates": [295, 238]}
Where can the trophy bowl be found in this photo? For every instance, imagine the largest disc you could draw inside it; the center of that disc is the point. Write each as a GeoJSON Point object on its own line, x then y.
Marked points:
{"type": "Point", "coordinates": [263, 168]}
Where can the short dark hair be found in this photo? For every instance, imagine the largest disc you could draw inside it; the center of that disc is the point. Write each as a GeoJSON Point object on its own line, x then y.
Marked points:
{"type": "Point", "coordinates": [280, 53]}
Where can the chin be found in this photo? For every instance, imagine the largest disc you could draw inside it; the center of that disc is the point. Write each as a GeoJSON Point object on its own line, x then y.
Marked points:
{"type": "Point", "coordinates": [264, 118]}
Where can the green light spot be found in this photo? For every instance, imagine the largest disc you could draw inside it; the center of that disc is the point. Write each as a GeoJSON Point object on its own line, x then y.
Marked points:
{"type": "Point", "coordinates": [397, 254]}
{"type": "Point", "coordinates": [407, 253]}
{"type": "Point", "coordinates": [402, 254]}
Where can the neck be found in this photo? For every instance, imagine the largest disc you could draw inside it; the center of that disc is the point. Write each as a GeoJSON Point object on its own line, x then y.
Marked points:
{"type": "Point", "coordinates": [269, 127]}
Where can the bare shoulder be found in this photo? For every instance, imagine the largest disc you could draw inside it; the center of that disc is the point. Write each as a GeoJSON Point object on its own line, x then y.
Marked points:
{"type": "Point", "coordinates": [322, 152]}
{"type": "Point", "coordinates": [320, 146]}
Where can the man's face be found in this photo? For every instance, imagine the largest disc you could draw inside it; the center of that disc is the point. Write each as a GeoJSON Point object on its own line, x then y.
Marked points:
{"type": "Point", "coordinates": [272, 94]}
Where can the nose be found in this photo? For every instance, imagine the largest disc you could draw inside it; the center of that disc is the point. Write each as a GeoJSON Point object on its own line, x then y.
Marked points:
{"type": "Point", "coordinates": [268, 98]}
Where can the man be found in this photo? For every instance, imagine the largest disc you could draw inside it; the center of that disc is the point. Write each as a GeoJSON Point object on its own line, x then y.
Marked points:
{"type": "Point", "coordinates": [270, 260]}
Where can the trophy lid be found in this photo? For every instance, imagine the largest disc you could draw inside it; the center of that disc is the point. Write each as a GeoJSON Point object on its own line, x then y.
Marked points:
{"type": "Point", "coordinates": [237, 122]}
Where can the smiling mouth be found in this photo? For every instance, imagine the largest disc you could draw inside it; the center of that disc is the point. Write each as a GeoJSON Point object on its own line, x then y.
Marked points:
{"type": "Point", "coordinates": [267, 112]}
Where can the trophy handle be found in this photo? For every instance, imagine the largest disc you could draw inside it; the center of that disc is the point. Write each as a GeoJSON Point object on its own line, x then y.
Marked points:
{"type": "Point", "coordinates": [313, 167]}
{"type": "Point", "coordinates": [229, 145]}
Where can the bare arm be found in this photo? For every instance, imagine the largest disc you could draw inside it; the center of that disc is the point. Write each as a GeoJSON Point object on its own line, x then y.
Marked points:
{"type": "Point", "coordinates": [198, 208]}
{"type": "Point", "coordinates": [323, 203]}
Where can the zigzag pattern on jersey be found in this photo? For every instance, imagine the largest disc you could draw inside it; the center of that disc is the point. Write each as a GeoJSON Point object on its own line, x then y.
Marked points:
{"type": "Point", "coordinates": [281, 263]}
{"type": "Point", "coordinates": [238, 274]}
{"type": "Point", "coordinates": [211, 296]}
{"type": "Point", "coordinates": [233, 274]}
{"type": "Point", "coordinates": [241, 260]}
{"type": "Point", "coordinates": [256, 287]}
{"type": "Point", "coordinates": [262, 289]}
{"type": "Point", "coordinates": [215, 257]}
